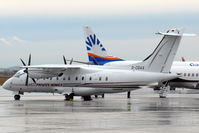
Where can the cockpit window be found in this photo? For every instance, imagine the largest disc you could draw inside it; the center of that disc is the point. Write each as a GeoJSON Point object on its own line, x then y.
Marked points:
{"type": "Point", "coordinates": [18, 74]}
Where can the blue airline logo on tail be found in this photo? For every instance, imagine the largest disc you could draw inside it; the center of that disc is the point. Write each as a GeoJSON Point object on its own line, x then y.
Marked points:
{"type": "Point", "coordinates": [100, 57]}
{"type": "Point", "coordinates": [92, 40]}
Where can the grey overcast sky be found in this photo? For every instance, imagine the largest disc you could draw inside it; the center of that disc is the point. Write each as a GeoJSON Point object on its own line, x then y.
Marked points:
{"type": "Point", "coordinates": [49, 29]}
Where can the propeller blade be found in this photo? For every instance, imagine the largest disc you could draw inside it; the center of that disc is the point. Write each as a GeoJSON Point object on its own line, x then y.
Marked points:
{"type": "Point", "coordinates": [26, 70]}
{"type": "Point", "coordinates": [27, 77]}
{"type": "Point", "coordinates": [64, 60]}
{"type": "Point", "coordinates": [71, 61]}
{"type": "Point", "coordinates": [29, 60]}
{"type": "Point", "coordinates": [23, 62]}
{"type": "Point", "coordinates": [33, 80]}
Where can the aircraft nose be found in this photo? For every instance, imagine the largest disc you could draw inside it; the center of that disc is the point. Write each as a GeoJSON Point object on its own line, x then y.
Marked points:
{"type": "Point", "coordinates": [6, 85]}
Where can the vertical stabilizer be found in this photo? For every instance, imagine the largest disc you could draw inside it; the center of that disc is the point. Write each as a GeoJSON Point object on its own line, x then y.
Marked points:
{"type": "Point", "coordinates": [162, 57]}
{"type": "Point", "coordinates": [97, 54]}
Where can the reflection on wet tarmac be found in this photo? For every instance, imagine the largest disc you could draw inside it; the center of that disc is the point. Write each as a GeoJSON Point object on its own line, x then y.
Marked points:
{"type": "Point", "coordinates": [144, 112]}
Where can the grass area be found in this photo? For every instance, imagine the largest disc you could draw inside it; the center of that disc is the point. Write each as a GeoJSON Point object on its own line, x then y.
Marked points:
{"type": "Point", "coordinates": [3, 79]}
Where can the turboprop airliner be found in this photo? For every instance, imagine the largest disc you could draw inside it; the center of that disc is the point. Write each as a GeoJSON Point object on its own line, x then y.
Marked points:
{"type": "Point", "coordinates": [85, 80]}
{"type": "Point", "coordinates": [97, 55]}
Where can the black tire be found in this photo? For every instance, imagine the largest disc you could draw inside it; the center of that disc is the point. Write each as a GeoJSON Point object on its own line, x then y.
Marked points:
{"type": "Point", "coordinates": [69, 97]}
{"type": "Point", "coordinates": [172, 88]}
{"type": "Point", "coordinates": [163, 97]}
{"type": "Point", "coordinates": [17, 97]}
{"type": "Point", "coordinates": [87, 98]}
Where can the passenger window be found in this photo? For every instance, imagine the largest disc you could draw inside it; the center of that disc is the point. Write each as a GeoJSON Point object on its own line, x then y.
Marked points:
{"type": "Point", "coordinates": [106, 78]}
{"type": "Point", "coordinates": [90, 78]}
{"type": "Point", "coordinates": [76, 78]}
{"type": "Point", "coordinates": [68, 77]}
{"type": "Point", "coordinates": [57, 78]}
{"type": "Point", "coordinates": [64, 78]}
{"type": "Point", "coordinates": [196, 74]}
{"type": "Point", "coordinates": [83, 78]}
{"type": "Point", "coordinates": [100, 78]}
{"type": "Point", "coordinates": [188, 74]}
{"type": "Point", "coordinates": [192, 74]}
{"type": "Point", "coordinates": [185, 74]}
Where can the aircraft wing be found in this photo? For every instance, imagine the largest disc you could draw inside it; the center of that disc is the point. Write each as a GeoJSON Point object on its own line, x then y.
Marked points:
{"type": "Point", "coordinates": [47, 71]}
{"type": "Point", "coordinates": [52, 67]}
{"type": "Point", "coordinates": [81, 62]}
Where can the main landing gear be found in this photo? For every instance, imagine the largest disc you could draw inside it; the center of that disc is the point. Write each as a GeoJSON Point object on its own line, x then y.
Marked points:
{"type": "Point", "coordinates": [17, 97]}
{"type": "Point", "coordinates": [87, 98]}
{"type": "Point", "coordinates": [69, 97]}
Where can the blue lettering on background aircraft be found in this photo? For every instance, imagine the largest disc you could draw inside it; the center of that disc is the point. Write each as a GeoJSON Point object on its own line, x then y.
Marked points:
{"type": "Point", "coordinates": [194, 64]}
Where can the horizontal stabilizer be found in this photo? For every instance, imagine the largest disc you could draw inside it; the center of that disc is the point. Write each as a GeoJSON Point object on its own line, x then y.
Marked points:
{"type": "Point", "coordinates": [174, 34]}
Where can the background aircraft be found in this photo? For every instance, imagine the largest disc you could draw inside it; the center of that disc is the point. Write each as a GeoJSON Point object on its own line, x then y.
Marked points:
{"type": "Point", "coordinates": [98, 55]}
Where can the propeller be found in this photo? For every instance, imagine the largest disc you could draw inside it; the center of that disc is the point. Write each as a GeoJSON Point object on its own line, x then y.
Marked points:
{"type": "Point", "coordinates": [71, 61]}
{"type": "Point", "coordinates": [65, 61]}
{"type": "Point", "coordinates": [26, 70]}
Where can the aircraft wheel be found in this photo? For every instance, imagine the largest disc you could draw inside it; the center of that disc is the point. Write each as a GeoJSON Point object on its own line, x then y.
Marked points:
{"type": "Point", "coordinates": [173, 88]}
{"type": "Point", "coordinates": [17, 97]}
{"type": "Point", "coordinates": [163, 97]}
{"type": "Point", "coordinates": [69, 97]}
{"type": "Point", "coordinates": [87, 98]}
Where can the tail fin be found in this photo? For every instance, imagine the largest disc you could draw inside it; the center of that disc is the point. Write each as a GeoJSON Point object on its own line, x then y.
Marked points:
{"type": "Point", "coordinates": [97, 54]}
{"type": "Point", "coordinates": [162, 57]}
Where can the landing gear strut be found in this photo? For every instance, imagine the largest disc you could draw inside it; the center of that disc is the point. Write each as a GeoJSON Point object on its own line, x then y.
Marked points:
{"type": "Point", "coordinates": [129, 94]}
{"type": "Point", "coordinates": [164, 90]}
{"type": "Point", "coordinates": [17, 97]}
{"type": "Point", "coordinates": [69, 97]}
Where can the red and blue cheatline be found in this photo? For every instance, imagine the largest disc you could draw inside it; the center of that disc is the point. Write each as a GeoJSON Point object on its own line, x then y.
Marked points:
{"type": "Point", "coordinates": [99, 60]}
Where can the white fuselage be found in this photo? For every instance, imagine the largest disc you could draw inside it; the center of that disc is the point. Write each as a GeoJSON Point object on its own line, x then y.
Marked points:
{"type": "Point", "coordinates": [188, 70]}
{"type": "Point", "coordinates": [87, 81]}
